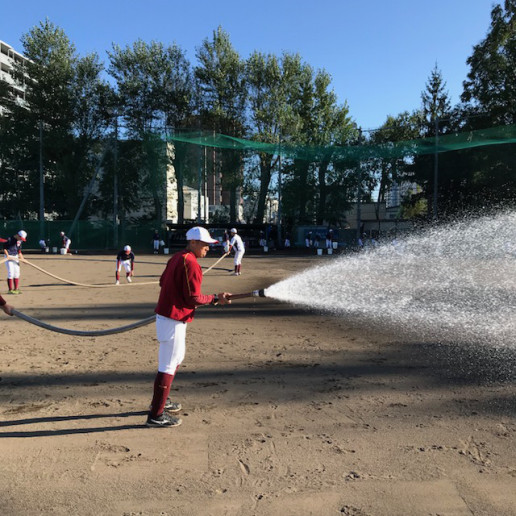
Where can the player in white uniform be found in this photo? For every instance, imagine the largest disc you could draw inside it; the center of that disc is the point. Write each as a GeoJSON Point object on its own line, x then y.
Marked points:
{"type": "Point", "coordinates": [66, 243]}
{"type": "Point", "coordinates": [237, 244]}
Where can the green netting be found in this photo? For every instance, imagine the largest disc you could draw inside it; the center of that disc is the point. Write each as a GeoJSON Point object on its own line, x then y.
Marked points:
{"type": "Point", "coordinates": [431, 145]}
{"type": "Point", "coordinates": [94, 235]}
{"type": "Point", "coordinates": [465, 180]}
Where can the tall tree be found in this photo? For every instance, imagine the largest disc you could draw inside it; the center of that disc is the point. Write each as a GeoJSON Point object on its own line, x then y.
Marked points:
{"type": "Point", "coordinates": [274, 86]}
{"type": "Point", "coordinates": [490, 94]}
{"type": "Point", "coordinates": [331, 126]}
{"type": "Point", "coordinates": [322, 126]}
{"type": "Point", "coordinates": [491, 81]}
{"type": "Point", "coordinates": [154, 85]}
{"type": "Point", "coordinates": [436, 111]}
{"type": "Point", "coordinates": [389, 172]}
{"type": "Point", "coordinates": [48, 74]}
{"type": "Point", "coordinates": [6, 95]}
{"type": "Point", "coordinates": [435, 100]}
{"type": "Point", "coordinates": [222, 95]}
{"type": "Point", "coordinates": [155, 92]}
{"type": "Point", "coordinates": [91, 96]}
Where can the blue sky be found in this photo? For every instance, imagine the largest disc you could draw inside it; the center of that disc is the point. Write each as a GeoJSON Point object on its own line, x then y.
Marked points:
{"type": "Point", "coordinates": [379, 52]}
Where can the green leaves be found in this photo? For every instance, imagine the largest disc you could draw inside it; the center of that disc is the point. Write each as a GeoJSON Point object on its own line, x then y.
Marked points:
{"type": "Point", "coordinates": [154, 85]}
{"type": "Point", "coordinates": [491, 82]}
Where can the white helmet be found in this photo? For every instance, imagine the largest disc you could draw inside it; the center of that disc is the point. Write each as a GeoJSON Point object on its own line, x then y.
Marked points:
{"type": "Point", "coordinates": [233, 230]}
{"type": "Point", "coordinates": [127, 248]}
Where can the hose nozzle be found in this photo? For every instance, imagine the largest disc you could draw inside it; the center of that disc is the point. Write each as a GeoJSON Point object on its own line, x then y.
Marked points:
{"type": "Point", "coordinates": [254, 293]}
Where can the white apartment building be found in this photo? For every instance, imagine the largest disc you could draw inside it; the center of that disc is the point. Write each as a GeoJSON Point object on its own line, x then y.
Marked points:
{"type": "Point", "coordinates": [9, 56]}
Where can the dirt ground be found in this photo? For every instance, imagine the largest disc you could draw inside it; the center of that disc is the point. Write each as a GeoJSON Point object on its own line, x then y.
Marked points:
{"type": "Point", "coordinates": [285, 412]}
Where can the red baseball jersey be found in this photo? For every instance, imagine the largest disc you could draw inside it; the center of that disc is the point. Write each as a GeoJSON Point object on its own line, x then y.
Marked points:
{"type": "Point", "coordinates": [181, 288]}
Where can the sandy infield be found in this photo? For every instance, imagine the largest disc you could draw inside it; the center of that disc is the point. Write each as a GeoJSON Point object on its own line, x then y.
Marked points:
{"type": "Point", "coordinates": [285, 412]}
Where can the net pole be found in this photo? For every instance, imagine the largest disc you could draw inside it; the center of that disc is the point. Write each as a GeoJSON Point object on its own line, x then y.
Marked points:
{"type": "Point", "coordinates": [280, 240]}
{"type": "Point", "coordinates": [436, 168]}
{"type": "Point", "coordinates": [115, 186]}
{"type": "Point", "coordinates": [199, 186]}
{"type": "Point", "coordinates": [41, 185]}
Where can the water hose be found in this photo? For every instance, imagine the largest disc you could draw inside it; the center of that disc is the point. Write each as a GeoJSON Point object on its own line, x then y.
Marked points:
{"type": "Point", "coordinates": [84, 284]}
{"type": "Point", "coordinates": [120, 329]}
{"type": "Point", "coordinates": [79, 333]}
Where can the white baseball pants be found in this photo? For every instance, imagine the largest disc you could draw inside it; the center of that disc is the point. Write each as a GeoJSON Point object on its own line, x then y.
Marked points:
{"type": "Point", "coordinates": [126, 264]}
{"type": "Point", "coordinates": [172, 343]}
{"type": "Point", "coordinates": [13, 269]}
{"type": "Point", "coordinates": [238, 256]}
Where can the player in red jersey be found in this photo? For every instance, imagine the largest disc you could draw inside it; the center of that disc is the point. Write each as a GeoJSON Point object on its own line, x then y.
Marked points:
{"type": "Point", "coordinates": [179, 296]}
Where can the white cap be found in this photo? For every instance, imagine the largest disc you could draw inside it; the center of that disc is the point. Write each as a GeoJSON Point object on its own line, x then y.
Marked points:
{"type": "Point", "coordinates": [62, 232]}
{"type": "Point", "coordinates": [127, 248]}
{"type": "Point", "coordinates": [23, 235]}
{"type": "Point", "coordinates": [233, 230]}
{"type": "Point", "coordinates": [198, 233]}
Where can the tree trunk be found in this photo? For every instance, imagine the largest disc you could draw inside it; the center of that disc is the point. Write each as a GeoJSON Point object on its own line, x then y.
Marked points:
{"type": "Point", "coordinates": [301, 168]}
{"type": "Point", "coordinates": [321, 207]}
{"type": "Point", "coordinates": [265, 179]}
{"type": "Point", "coordinates": [232, 204]}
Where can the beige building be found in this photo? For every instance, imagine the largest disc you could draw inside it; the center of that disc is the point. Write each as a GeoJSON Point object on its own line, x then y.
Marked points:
{"type": "Point", "coordinates": [8, 58]}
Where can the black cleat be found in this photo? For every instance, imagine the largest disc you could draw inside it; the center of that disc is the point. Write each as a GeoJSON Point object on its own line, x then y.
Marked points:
{"type": "Point", "coordinates": [171, 406]}
{"type": "Point", "coordinates": [165, 420]}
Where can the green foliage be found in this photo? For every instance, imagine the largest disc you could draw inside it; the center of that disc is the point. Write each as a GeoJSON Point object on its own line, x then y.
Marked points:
{"type": "Point", "coordinates": [155, 95]}
{"type": "Point", "coordinates": [272, 84]}
{"type": "Point", "coordinates": [490, 94]}
{"type": "Point", "coordinates": [491, 82]}
{"type": "Point", "coordinates": [222, 97]}
{"type": "Point", "coordinates": [435, 100]}
{"type": "Point", "coordinates": [221, 83]}
{"type": "Point", "coordinates": [154, 86]}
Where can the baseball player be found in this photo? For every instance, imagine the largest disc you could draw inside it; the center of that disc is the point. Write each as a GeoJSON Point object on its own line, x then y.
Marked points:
{"type": "Point", "coordinates": [179, 296]}
{"type": "Point", "coordinates": [125, 259]}
{"type": "Point", "coordinates": [329, 239]}
{"type": "Point", "coordinates": [65, 243]}
{"type": "Point", "coordinates": [155, 242]}
{"type": "Point", "coordinates": [8, 309]}
{"type": "Point", "coordinates": [12, 251]}
{"type": "Point", "coordinates": [237, 244]}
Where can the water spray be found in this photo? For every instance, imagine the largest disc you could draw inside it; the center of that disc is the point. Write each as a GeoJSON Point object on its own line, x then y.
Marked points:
{"type": "Point", "coordinates": [453, 282]}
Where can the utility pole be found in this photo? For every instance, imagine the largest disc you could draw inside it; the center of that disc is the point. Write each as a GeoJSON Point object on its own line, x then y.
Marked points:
{"type": "Point", "coordinates": [199, 185]}
{"type": "Point", "coordinates": [279, 197]}
{"type": "Point", "coordinates": [41, 185]}
{"type": "Point", "coordinates": [115, 186]}
{"type": "Point", "coordinates": [205, 180]}
{"type": "Point", "coordinates": [359, 196]}
{"type": "Point", "coordinates": [436, 168]}
{"type": "Point", "coordinates": [359, 203]}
